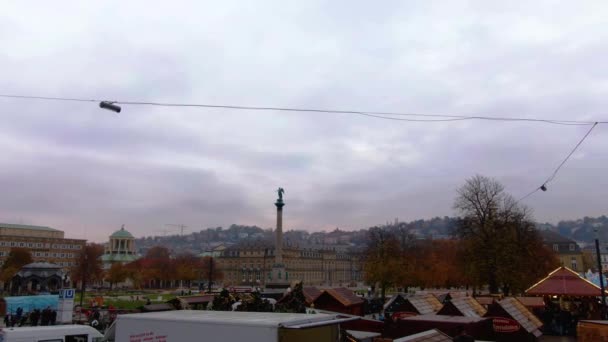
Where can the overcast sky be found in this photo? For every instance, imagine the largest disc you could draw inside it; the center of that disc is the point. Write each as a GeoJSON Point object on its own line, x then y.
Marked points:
{"type": "Point", "coordinates": [85, 170]}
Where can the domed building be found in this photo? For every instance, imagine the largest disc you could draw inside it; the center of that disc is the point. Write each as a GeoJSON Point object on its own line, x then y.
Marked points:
{"type": "Point", "coordinates": [121, 248]}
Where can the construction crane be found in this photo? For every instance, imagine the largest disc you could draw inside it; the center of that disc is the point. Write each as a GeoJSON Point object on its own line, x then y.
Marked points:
{"type": "Point", "coordinates": [164, 231]}
{"type": "Point", "coordinates": [180, 226]}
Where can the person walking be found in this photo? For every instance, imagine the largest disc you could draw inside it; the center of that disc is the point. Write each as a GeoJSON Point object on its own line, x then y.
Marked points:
{"type": "Point", "coordinates": [23, 319]}
{"type": "Point", "coordinates": [35, 317]}
{"type": "Point", "coordinates": [53, 317]}
{"type": "Point", "coordinates": [46, 316]}
{"type": "Point", "coordinates": [19, 313]}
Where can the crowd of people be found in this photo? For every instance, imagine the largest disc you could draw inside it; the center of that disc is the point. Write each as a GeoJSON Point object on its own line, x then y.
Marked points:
{"type": "Point", "coordinates": [561, 318]}
{"type": "Point", "coordinates": [35, 317]}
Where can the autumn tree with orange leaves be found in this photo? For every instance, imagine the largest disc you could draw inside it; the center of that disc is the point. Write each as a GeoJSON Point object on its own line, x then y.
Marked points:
{"type": "Point", "coordinates": [88, 268]}
{"type": "Point", "coordinates": [437, 264]}
{"type": "Point", "coordinates": [17, 258]}
{"type": "Point", "coordinates": [187, 268]}
{"type": "Point", "coordinates": [384, 264]}
{"type": "Point", "coordinates": [158, 269]}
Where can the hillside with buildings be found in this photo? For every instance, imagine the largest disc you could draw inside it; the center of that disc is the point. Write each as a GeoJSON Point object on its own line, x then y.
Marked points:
{"type": "Point", "coordinates": [205, 240]}
{"type": "Point", "coordinates": [580, 230]}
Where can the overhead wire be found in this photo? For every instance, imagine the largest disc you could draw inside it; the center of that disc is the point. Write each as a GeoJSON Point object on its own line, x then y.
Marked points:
{"type": "Point", "coordinates": [528, 195]}
{"type": "Point", "coordinates": [374, 114]}
{"type": "Point", "coordinates": [396, 116]}
{"type": "Point", "coordinates": [569, 155]}
{"type": "Point", "coordinates": [47, 98]}
{"type": "Point", "coordinates": [554, 174]}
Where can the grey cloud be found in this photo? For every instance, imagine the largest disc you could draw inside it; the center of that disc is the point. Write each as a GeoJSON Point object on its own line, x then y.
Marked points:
{"type": "Point", "coordinates": [100, 192]}
{"type": "Point", "coordinates": [88, 171]}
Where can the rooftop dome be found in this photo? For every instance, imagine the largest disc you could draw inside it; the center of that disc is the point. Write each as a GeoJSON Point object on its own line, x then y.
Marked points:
{"type": "Point", "coordinates": [40, 270]}
{"type": "Point", "coordinates": [41, 265]}
{"type": "Point", "coordinates": [122, 233]}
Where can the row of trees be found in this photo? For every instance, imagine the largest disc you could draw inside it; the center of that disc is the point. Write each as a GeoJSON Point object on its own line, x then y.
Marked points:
{"type": "Point", "coordinates": [157, 269]}
{"type": "Point", "coordinates": [17, 258]}
{"type": "Point", "coordinates": [495, 244]}
{"type": "Point", "coordinates": [396, 259]}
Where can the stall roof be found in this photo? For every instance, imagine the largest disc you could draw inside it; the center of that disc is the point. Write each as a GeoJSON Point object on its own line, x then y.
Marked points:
{"type": "Point", "coordinates": [466, 306]}
{"type": "Point", "coordinates": [440, 318]}
{"type": "Point", "coordinates": [432, 335]}
{"type": "Point", "coordinates": [393, 299]}
{"type": "Point", "coordinates": [311, 293]}
{"type": "Point", "coordinates": [443, 297]}
{"type": "Point", "coordinates": [362, 335]}
{"type": "Point", "coordinates": [564, 281]}
{"type": "Point", "coordinates": [360, 324]}
{"type": "Point", "coordinates": [425, 304]}
{"type": "Point", "coordinates": [522, 315]}
{"type": "Point", "coordinates": [532, 302]}
{"type": "Point", "coordinates": [485, 300]}
{"type": "Point", "coordinates": [345, 296]}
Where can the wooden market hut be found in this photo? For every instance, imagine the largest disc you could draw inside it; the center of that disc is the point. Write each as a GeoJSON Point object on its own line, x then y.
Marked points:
{"type": "Point", "coordinates": [463, 306]}
{"type": "Point", "coordinates": [485, 301]}
{"type": "Point", "coordinates": [564, 282]}
{"type": "Point", "coordinates": [420, 304]}
{"type": "Point", "coordinates": [532, 303]}
{"type": "Point", "coordinates": [478, 327]}
{"type": "Point", "coordinates": [311, 293]}
{"type": "Point", "coordinates": [568, 298]}
{"type": "Point", "coordinates": [432, 335]}
{"type": "Point", "coordinates": [512, 321]}
{"type": "Point", "coordinates": [444, 297]}
{"type": "Point", "coordinates": [395, 304]}
{"type": "Point", "coordinates": [340, 300]}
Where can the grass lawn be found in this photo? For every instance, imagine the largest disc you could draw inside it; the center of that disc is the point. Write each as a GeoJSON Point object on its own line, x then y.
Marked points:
{"type": "Point", "coordinates": [122, 299]}
{"type": "Point", "coordinates": [124, 304]}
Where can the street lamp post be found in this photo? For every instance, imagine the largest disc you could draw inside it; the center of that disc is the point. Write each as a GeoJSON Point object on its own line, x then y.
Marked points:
{"type": "Point", "coordinates": [264, 268]}
{"type": "Point", "coordinates": [599, 269]}
{"type": "Point", "coordinates": [210, 274]}
{"type": "Point", "coordinates": [84, 281]}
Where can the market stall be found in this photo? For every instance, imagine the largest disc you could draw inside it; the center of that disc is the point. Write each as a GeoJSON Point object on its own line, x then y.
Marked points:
{"type": "Point", "coordinates": [568, 298]}
{"type": "Point", "coordinates": [512, 321]}
{"type": "Point", "coordinates": [404, 306]}
{"type": "Point", "coordinates": [478, 327]}
{"type": "Point", "coordinates": [464, 306]}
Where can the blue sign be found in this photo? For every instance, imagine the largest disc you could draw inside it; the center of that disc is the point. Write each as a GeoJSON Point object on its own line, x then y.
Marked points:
{"type": "Point", "coordinates": [29, 303]}
{"type": "Point", "coordinates": [66, 294]}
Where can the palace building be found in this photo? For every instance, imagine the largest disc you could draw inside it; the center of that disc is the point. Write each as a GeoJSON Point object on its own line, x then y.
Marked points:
{"type": "Point", "coordinates": [262, 264]}
{"type": "Point", "coordinates": [250, 264]}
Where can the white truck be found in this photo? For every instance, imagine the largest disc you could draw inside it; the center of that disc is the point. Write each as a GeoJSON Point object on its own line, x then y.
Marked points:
{"type": "Point", "coordinates": [225, 326]}
{"type": "Point", "coordinates": [54, 333]}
